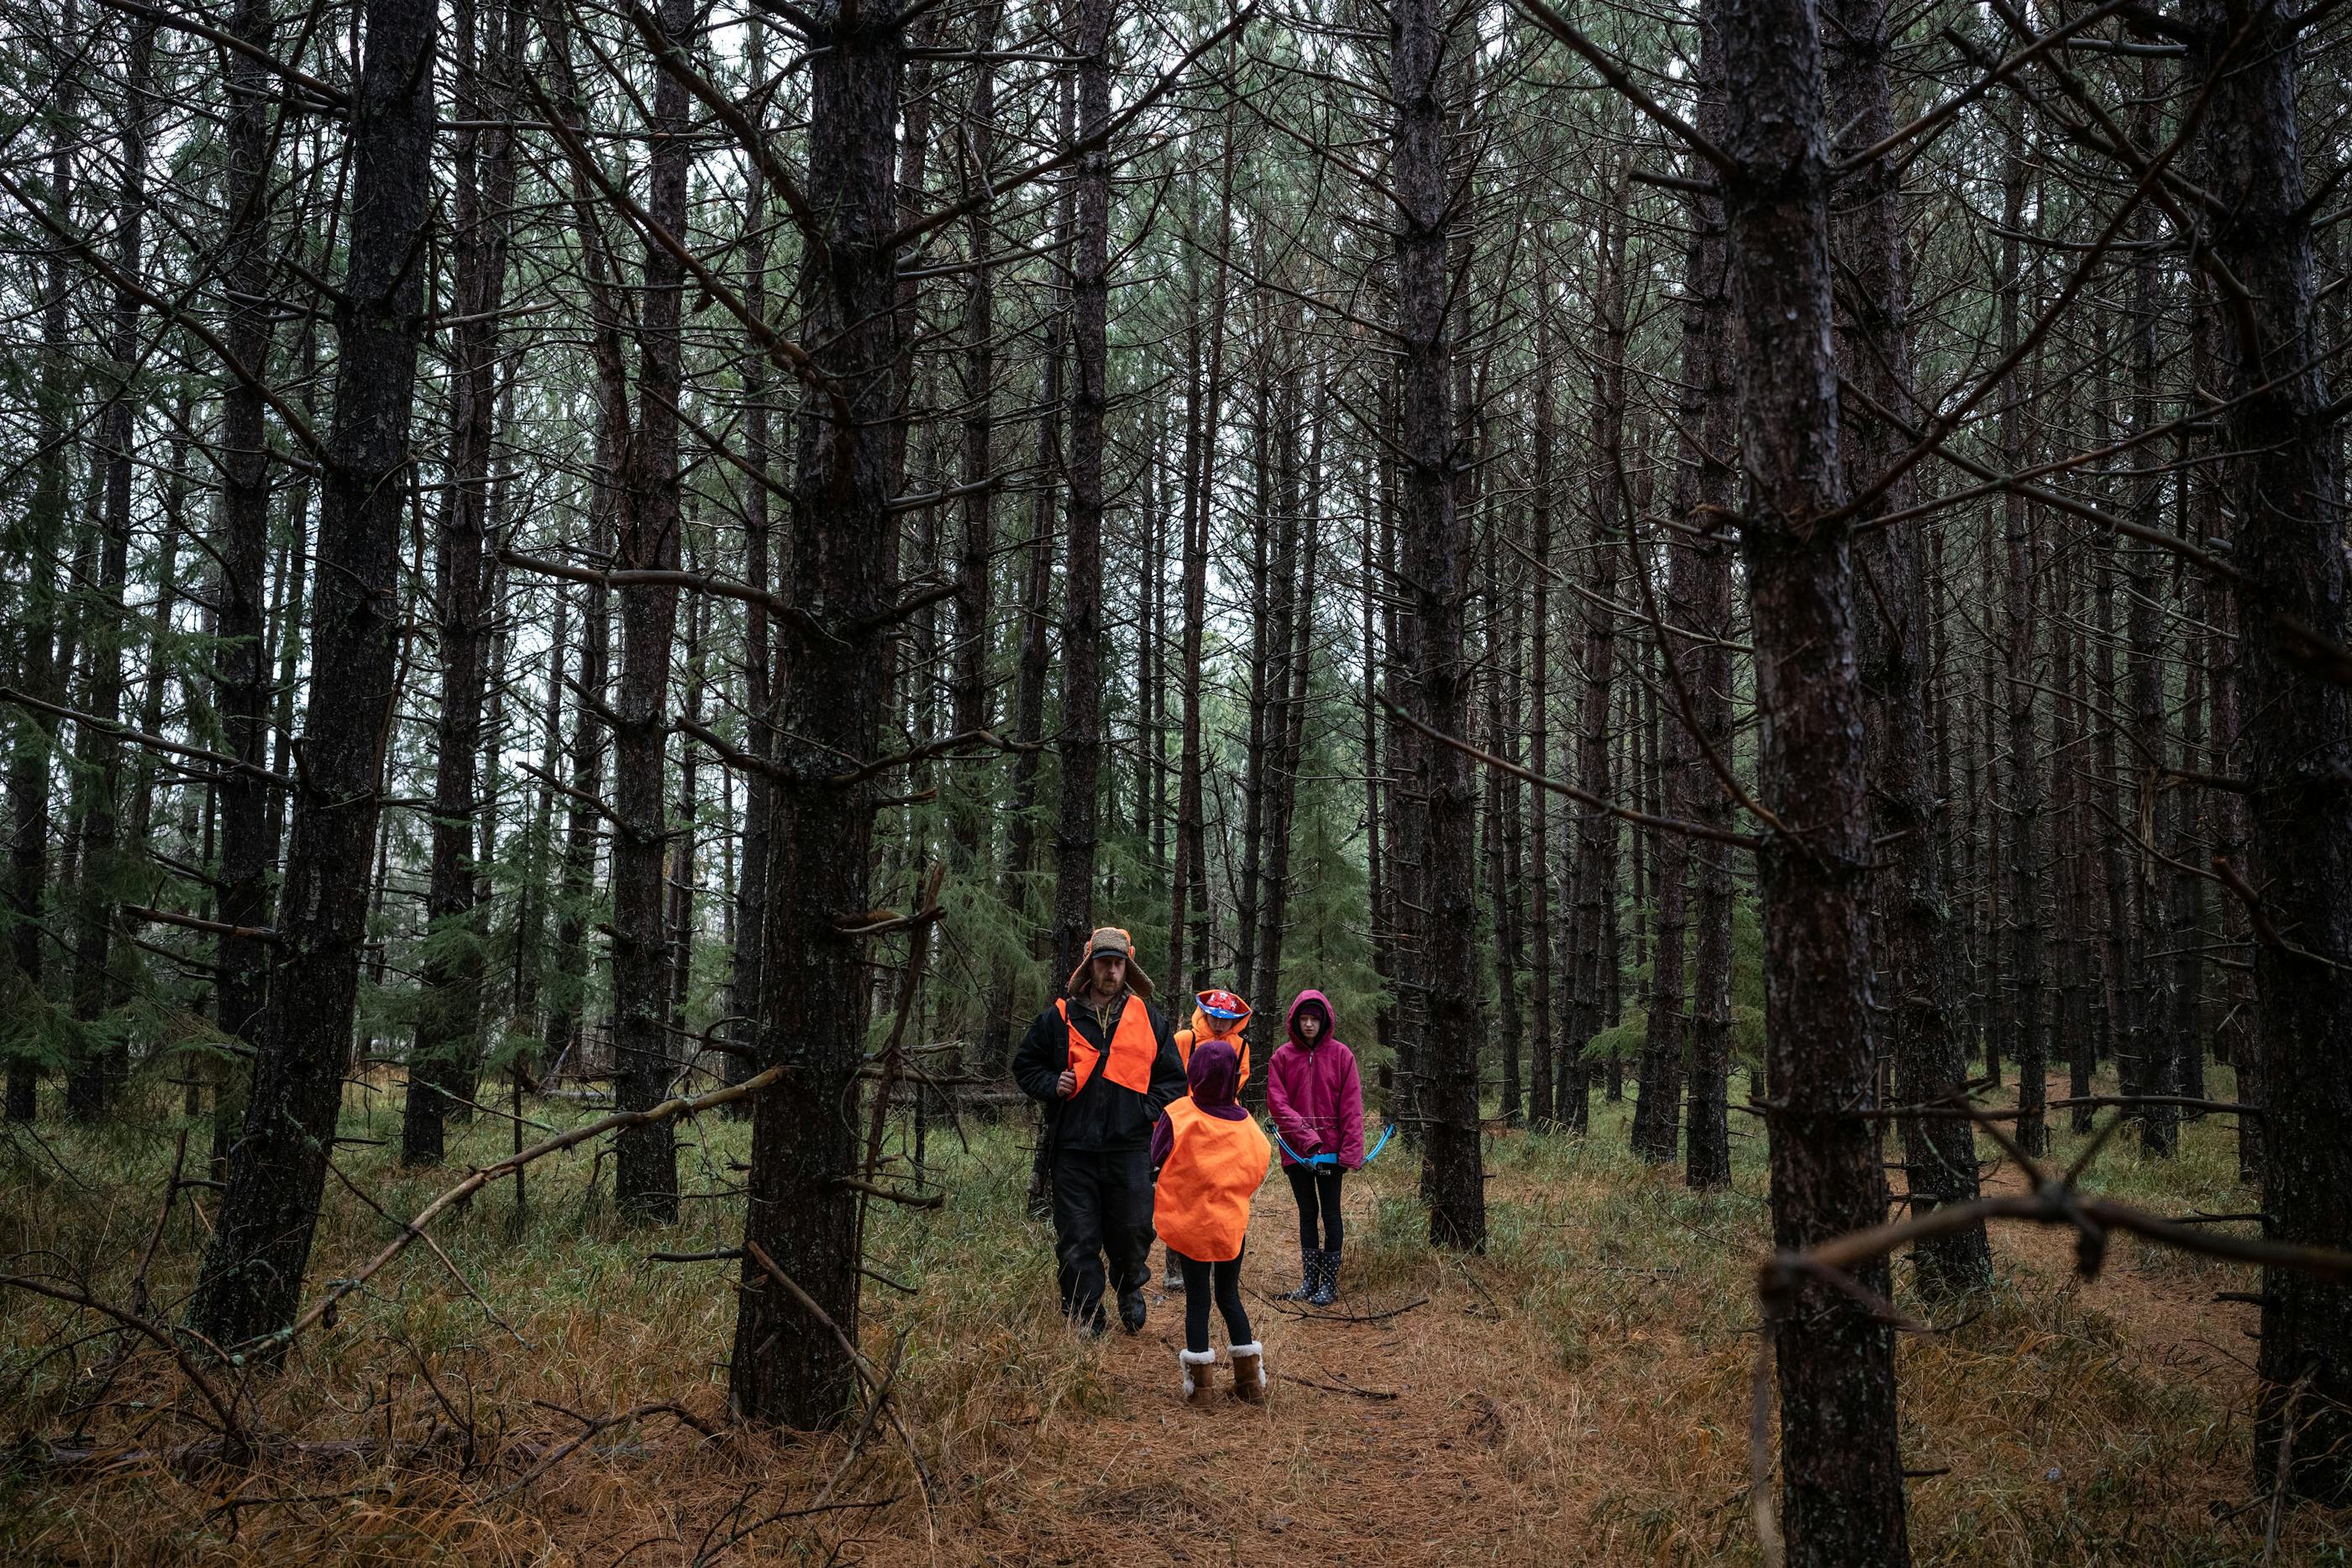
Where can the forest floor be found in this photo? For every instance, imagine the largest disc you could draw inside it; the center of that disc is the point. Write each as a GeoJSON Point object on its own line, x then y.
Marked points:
{"type": "Point", "coordinates": [1579, 1393]}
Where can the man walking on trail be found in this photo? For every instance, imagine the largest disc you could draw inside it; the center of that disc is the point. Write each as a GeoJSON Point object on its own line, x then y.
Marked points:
{"type": "Point", "coordinates": [1105, 1066]}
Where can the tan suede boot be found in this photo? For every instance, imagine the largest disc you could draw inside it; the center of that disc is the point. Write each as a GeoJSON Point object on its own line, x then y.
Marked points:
{"type": "Point", "coordinates": [1249, 1371]}
{"type": "Point", "coordinates": [1198, 1389]}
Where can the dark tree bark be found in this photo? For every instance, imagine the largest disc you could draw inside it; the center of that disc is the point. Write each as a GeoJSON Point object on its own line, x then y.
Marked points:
{"type": "Point", "coordinates": [2288, 490]}
{"type": "Point", "coordinates": [1406, 822]}
{"type": "Point", "coordinates": [253, 1271]}
{"type": "Point", "coordinates": [1541, 1079]}
{"type": "Point", "coordinates": [1436, 550]}
{"type": "Point", "coordinates": [1915, 984]}
{"type": "Point", "coordinates": [2241, 1036]}
{"type": "Point", "coordinates": [103, 1062]}
{"type": "Point", "coordinates": [1658, 1106]}
{"type": "Point", "coordinates": [2022, 801]}
{"type": "Point", "coordinates": [651, 523]}
{"type": "Point", "coordinates": [2071, 851]}
{"type": "Point", "coordinates": [1266, 590]}
{"type": "Point", "coordinates": [1502, 828]}
{"type": "Point", "coordinates": [751, 910]}
{"type": "Point", "coordinates": [684, 875]}
{"type": "Point", "coordinates": [450, 1025]}
{"type": "Point", "coordinates": [1843, 1474]}
{"type": "Point", "coordinates": [1289, 673]}
{"type": "Point", "coordinates": [786, 1369]}
{"type": "Point", "coordinates": [538, 889]}
{"type": "Point", "coordinates": [977, 543]}
{"type": "Point", "coordinates": [37, 538]}
{"type": "Point", "coordinates": [1080, 745]}
{"type": "Point", "coordinates": [2150, 1043]}
{"type": "Point", "coordinates": [1203, 411]}
{"type": "Point", "coordinates": [1592, 940]}
{"type": "Point", "coordinates": [242, 526]}
{"type": "Point", "coordinates": [1706, 599]}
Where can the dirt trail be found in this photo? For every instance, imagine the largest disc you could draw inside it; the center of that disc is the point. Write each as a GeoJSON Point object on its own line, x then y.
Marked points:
{"type": "Point", "coordinates": [1425, 1420]}
{"type": "Point", "coordinates": [1361, 1451]}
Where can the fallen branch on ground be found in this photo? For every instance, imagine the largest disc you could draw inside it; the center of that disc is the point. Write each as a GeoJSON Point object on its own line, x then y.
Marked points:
{"type": "Point", "coordinates": [1337, 1387]}
{"type": "Point", "coordinates": [482, 1177]}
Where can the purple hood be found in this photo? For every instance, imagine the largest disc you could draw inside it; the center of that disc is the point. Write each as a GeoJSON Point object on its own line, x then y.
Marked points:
{"type": "Point", "coordinates": [1214, 1077]}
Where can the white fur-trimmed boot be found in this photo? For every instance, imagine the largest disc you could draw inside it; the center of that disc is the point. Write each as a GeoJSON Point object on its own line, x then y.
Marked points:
{"type": "Point", "coordinates": [1249, 1371]}
{"type": "Point", "coordinates": [1196, 1365]}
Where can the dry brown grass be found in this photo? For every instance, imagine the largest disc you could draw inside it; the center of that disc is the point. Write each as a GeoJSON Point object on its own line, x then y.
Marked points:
{"type": "Point", "coordinates": [1579, 1394]}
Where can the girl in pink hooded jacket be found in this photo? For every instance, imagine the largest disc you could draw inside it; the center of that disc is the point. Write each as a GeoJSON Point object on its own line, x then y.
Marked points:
{"type": "Point", "coordinates": [1316, 1100]}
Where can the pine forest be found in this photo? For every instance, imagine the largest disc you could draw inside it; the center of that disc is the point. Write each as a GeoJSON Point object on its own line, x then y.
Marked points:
{"type": "Point", "coordinates": [743, 737]}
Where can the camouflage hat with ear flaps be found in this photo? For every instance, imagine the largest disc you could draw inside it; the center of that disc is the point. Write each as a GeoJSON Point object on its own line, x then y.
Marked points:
{"type": "Point", "coordinates": [1112, 939]}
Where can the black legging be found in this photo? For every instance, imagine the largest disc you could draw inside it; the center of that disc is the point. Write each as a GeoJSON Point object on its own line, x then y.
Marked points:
{"type": "Point", "coordinates": [1227, 1282]}
{"type": "Point", "coordinates": [1312, 1188]}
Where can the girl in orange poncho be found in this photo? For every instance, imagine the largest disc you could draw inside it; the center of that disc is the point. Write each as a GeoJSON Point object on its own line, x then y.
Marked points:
{"type": "Point", "coordinates": [1210, 1159]}
{"type": "Point", "coordinates": [1216, 1015]}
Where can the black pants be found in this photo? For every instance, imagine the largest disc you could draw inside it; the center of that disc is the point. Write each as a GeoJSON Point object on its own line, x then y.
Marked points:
{"type": "Point", "coordinates": [1226, 1281]}
{"type": "Point", "coordinates": [1102, 1208]}
{"type": "Point", "coordinates": [1314, 1189]}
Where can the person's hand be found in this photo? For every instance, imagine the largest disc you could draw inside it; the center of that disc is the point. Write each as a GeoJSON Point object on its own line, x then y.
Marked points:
{"type": "Point", "coordinates": [1066, 1085]}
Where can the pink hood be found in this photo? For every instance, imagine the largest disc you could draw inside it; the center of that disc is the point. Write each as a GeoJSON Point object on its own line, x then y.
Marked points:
{"type": "Point", "coordinates": [1314, 1093]}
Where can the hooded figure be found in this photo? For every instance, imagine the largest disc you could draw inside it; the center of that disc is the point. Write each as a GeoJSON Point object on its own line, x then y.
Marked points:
{"type": "Point", "coordinates": [1313, 1090]}
{"type": "Point", "coordinates": [1316, 1099]}
{"type": "Point", "coordinates": [1209, 1158]}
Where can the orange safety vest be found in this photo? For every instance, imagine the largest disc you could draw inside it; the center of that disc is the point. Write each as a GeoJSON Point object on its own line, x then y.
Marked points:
{"type": "Point", "coordinates": [1133, 1049]}
{"type": "Point", "coordinates": [1186, 1038]}
{"type": "Point", "coordinates": [1203, 1204]}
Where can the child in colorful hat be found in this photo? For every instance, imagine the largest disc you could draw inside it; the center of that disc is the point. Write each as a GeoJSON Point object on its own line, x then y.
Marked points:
{"type": "Point", "coordinates": [1216, 1015]}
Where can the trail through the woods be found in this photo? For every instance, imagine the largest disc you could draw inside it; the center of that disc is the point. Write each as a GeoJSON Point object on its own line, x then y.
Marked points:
{"type": "Point", "coordinates": [1430, 1418]}
{"type": "Point", "coordinates": [1372, 1445]}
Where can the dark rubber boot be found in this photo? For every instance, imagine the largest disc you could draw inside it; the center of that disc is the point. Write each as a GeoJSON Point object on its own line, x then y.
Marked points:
{"type": "Point", "coordinates": [1327, 1278]}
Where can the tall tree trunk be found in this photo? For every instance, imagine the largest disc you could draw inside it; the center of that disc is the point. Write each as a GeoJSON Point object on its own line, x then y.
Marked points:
{"type": "Point", "coordinates": [2288, 487]}
{"type": "Point", "coordinates": [1204, 413]}
{"type": "Point", "coordinates": [1916, 986]}
{"type": "Point", "coordinates": [685, 875]}
{"type": "Point", "coordinates": [2070, 853]}
{"type": "Point", "coordinates": [977, 544]}
{"type": "Point", "coordinates": [252, 1270]}
{"type": "Point", "coordinates": [1592, 945]}
{"type": "Point", "coordinates": [1080, 745]}
{"type": "Point", "coordinates": [1289, 673]}
{"type": "Point", "coordinates": [2023, 798]}
{"type": "Point", "coordinates": [1541, 1080]}
{"type": "Point", "coordinates": [751, 911]}
{"type": "Point", "coordinates": [1706, 600]}
{"type": "Point", "coordinates": [241, 691]}
{"type": "Point", "coordinates": [103, 1062]}
{"type": "Point", "coordinates": [1268, 581]}
{"type": "Point", "coordinates": [2151, 1042]}
{"type": "Point", "coordinates": [36, 538]}
{"type": "Point", "coordinates": [1656, 1110]}
{"type": "Point", "coordinates": [651, 524]}
{"type": "Point", "coordinates": [800, 1212]}
{"type": "Point", "coordinates": [1405, 820]}
{"type": "Point", "coordinates": [449, 1022]}
{"type": "Point", "coordinates": [1503, 723]}
{"type": "Point", "coordinates": [1843, 1474]}
{"type": "Point", "coordinates": [539, 888]}
{"type": "Point", "coordinates": [2242, 1034]}
{"type": "Point", "coordinates": [1436, 550]}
